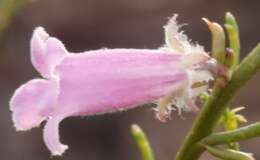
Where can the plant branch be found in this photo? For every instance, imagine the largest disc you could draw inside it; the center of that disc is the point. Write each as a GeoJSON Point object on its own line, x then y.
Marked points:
{"type": "Point", "coordinates": [237, 135]}
{"type": "Point", "coordinates": [210, 114]}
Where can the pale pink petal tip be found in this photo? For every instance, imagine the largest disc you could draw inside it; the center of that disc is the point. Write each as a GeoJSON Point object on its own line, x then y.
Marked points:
{"type": "Point", "coordinates": [38, 45]}
{"type": "Point", "coordinates": [51, 136]}
{"type": "Point", "coordinates": [46, 52]}
{"type": "Point", "coordinates": [30, 102]}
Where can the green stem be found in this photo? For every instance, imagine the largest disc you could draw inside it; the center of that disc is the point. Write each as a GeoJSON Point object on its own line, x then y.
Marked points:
{"type": "Point", "coordinates": [210, 114]}
{"type": "Point", "coordinates": [237, 135]}
{"type": "Point", "coordinates": [142, 142]}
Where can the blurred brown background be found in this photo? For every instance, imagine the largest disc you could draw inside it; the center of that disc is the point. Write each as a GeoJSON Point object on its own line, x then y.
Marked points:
{"type": "Point", "coordinates": [92, 24]}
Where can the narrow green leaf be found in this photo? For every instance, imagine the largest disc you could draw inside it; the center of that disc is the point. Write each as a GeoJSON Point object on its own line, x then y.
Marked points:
{"type": "Point", "coordinates": [228, 154]}
{"type": "Point", "coordinates": [142, 142]}
{"type": "Point", "coordinates": [218, 41]}
{"type": "Point", "coordinates": [233, 36]}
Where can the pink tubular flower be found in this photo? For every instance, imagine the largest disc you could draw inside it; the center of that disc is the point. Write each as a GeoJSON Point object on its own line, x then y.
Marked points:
{"type": "Point", "coordinates": [100, 81]}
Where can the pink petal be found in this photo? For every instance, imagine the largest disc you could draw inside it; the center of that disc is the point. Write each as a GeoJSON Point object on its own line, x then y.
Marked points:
{"type": "Point", "coordinates": [55, 52]}
{"type": "Point", "coordinates": [51, 136]}
{"type": "Point", "coordinates": [38, 46]}
{"type": "Point", "coordinates": [32, 102]}
{"type": "Point", "coordinates": [102, 81]}
{"type": "Point", "coordinates": [46, 52]}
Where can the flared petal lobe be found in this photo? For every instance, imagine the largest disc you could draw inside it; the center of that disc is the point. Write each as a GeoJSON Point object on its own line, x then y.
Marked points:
{"type": "Point", "coordinates": [38, 46]}
{"type": "Point", "coordinates": [103, 81]}
{"type": "Point", "coordinates": [32, 102]}
{"type": "Point", "coordinates": [46, 52]}
{"type": "Point", "coordinates": [51, 136]}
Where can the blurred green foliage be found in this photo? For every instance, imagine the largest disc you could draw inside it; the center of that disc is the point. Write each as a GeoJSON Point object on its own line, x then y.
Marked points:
{"type": "Point", "coordinates": [7, 9]}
